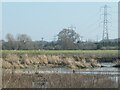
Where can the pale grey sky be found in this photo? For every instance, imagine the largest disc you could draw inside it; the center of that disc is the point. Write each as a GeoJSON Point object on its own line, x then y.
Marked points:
{"type": "Point", "coordinates": [47, 19]}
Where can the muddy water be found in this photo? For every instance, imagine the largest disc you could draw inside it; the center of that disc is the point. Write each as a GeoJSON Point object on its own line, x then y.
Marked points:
{"type": "Point", "coordinates": [106, 77]}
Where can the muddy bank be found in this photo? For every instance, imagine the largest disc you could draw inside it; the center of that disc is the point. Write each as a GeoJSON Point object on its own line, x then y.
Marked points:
{"type": "Point", "coordinates": [15, 61]}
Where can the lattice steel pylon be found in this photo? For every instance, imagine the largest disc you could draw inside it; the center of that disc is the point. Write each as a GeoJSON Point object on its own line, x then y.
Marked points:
{"type": "Point", "coordinates": [105, 24]}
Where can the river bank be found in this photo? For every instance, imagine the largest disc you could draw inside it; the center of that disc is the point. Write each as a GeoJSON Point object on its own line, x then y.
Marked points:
{"type": "Point", "coordinates": [36, 61]}
{"type": "Point", "coordinates": [70, 59]}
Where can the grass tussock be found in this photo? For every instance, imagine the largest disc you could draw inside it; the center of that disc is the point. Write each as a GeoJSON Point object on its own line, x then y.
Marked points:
{"type": "Point", "coordinates": [28, 61]}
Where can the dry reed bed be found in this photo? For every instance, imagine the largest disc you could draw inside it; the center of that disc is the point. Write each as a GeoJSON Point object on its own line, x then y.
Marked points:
{"type": "Point", "coordinates": [11, 61]}
{"type": "Point", "coordinates": [57, 81]}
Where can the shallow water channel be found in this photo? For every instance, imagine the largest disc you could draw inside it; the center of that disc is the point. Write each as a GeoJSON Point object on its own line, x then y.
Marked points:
{"type": "Point", "coordinates": [105, 77]}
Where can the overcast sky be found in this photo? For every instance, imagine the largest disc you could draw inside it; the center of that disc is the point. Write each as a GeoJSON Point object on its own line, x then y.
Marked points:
{"type": "Point", "coordinates": [47, 19]}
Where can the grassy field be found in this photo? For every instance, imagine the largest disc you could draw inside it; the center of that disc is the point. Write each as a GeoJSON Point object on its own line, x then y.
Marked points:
{"type": "Point", "coordinates": [84, 53]}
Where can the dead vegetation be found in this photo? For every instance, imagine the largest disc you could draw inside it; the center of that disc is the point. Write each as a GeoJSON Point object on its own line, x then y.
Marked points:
{"type": "Point", "coordinates": [72, 80]}
{"type": "Point", "coordinates": [26, 61]}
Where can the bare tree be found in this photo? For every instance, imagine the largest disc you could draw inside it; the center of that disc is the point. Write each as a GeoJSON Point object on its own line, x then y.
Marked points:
{"type": "Point", "coordinates": [10, 41]}
{"type": "Point", "coordinates": [24, 42]}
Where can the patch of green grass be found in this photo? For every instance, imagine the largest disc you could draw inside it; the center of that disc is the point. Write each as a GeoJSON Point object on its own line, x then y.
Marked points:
{"type": "Point", "coordinates": [84, 53]}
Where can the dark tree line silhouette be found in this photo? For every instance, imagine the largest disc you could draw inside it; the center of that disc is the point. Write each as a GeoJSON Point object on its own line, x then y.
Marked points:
{"type": "Point", "coordinates": [67, 39]}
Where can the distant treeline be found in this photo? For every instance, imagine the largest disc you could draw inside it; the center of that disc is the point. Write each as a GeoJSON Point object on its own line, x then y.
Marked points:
{"type": "Point", "coordinates": [67, 39]}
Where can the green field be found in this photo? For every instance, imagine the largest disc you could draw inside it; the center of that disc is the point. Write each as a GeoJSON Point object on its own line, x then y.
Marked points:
{"type": "Point", "coordinates": [85, 53]}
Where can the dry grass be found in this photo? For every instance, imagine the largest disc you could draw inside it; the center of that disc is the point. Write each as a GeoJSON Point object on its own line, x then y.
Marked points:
{"type": "Point", "coordinates": [28, 61]}
{"type": "Point", "coordinates": [57, 81]}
